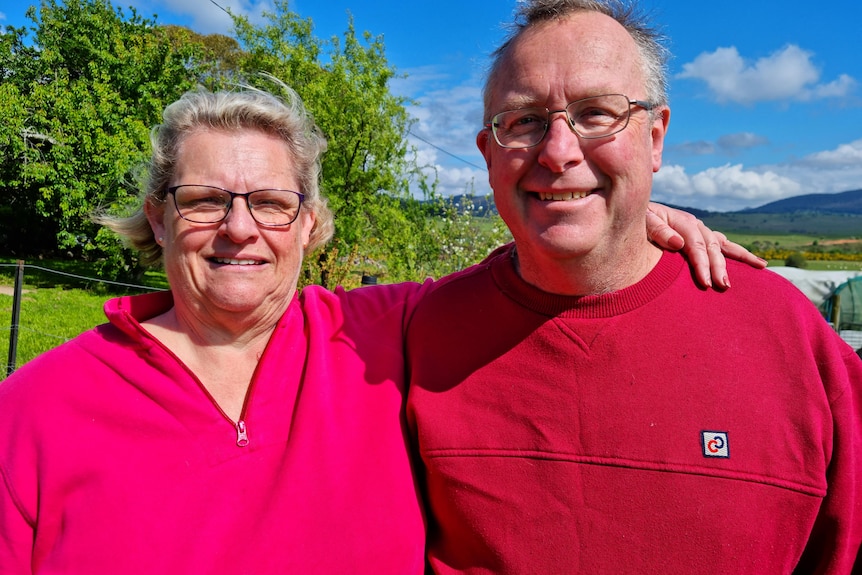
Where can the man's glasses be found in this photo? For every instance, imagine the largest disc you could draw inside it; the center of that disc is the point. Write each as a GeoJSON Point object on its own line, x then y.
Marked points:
{"type": "Point", "coordinates": [209, 204]}
{"type": "Point", "coordinates": [589, 118]}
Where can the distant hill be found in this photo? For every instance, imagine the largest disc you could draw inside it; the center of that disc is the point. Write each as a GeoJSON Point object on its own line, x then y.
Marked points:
{"type": "Point", "coordinates": [841, 203]}
{"type": "Point", "coordinates": [826, 215]}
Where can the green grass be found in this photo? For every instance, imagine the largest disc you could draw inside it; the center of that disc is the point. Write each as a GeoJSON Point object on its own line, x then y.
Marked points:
{"type": "Point", "coordinates": [797, 241]}
{"type": "Point", "coordinates": [789, 241]}
{"type": "Point", "coordinates": [824, 265]}
{"type": "Point", "coordinates": [58, 302]}
{"type": "Point", "coordinates": [805, 243]}
{"type": "Point", "coordinates": [810, 224]}
{"type": "Point", "coordinates": [48, 317]}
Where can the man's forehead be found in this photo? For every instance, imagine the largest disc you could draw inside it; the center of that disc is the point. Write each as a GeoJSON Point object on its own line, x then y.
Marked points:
{"type": "Point", "coordinates": [566, 60]}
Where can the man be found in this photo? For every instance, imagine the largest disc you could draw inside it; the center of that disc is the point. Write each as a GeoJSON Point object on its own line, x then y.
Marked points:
{"type": "Point", "coordinates": [579, 404]}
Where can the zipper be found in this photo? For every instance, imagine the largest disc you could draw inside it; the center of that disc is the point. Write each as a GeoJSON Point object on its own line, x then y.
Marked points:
{"type": "Point", "coordinates": [241, 433]}
{"type": "Point", "coordinates": [241, 430]}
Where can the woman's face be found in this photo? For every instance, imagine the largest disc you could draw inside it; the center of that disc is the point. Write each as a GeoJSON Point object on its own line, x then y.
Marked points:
{"type": "Point", "coordinates": [235, 269]}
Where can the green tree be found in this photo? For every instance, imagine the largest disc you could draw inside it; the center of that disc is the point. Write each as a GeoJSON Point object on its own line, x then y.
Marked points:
{"type": "Point", "coordinates": [81, 91]}
{"type": "Point", "coordinates": [85, 94]}
{"type": "Point", "coordinates": [380, 227]}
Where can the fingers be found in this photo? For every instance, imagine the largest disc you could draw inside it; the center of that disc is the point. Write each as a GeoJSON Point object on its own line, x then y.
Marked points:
{"type": "Point", "coordinates": [737, 252]}
{"type": "Point", "coordinates": [674, 229]}
{"type": "Point", "coordinates": [717, 264]}
{"type": "Point", "coordinates": [662, 234]}
{"type": "Point", "coordinates": [705, 249]}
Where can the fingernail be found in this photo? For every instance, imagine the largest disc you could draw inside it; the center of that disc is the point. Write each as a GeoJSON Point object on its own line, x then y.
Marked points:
{"type": "Point", "coordinates": [726, 281]}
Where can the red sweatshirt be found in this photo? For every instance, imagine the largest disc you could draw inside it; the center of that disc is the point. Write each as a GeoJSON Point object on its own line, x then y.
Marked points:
{"type": "Point", "coordinates": [658, 429]}
{"type": "Point", "coordinates": [114, 459]}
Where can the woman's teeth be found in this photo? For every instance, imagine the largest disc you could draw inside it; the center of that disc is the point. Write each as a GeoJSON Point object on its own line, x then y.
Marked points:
{"type": "Point", "coordinates": [235, 262]}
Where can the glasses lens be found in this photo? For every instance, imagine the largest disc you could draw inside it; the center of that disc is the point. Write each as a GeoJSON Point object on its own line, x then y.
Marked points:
{"type": "Point", "coordinates": [599, 116]}
{"type": "Point", "coordinates": [201, 204]}
{"type": "Point", "coordinates": [274, 207]}
{"type": "Point", "coordinates": [208, 205]}
{"type": "Point", "coordinates": [520, 128]}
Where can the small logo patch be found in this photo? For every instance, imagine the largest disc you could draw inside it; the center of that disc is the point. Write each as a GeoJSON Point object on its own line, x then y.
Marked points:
{"type": "Point", "coordinates": [715, 444]}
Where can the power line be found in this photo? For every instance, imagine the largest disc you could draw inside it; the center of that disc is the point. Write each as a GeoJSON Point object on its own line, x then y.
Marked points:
{"type": "Point", "coordinates": [438, 148]}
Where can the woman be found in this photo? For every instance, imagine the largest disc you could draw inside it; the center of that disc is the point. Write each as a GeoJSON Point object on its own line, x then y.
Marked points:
{"type": "Point", "coordinates": [229, 425]}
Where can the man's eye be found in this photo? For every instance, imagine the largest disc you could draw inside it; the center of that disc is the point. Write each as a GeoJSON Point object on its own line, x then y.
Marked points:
{"type": "Point", "coordinates": [524, 122]}
{"type": "Point", "coordinates": [595, 112]}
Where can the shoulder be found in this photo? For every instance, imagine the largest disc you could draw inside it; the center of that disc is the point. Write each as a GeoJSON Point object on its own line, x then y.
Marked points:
{"type": "Point", "coordinates": [370, 299]}
{"type": "Point", "coordinates": [59, 366]}
{"type": "Point", "coordinates": [383, 307]}
{"type": "Point", "coordinates": [764, 284]}
{"type": "Point", "coordinates": [498, 258]}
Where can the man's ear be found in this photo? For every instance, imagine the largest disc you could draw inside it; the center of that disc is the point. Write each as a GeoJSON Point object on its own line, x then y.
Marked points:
{"type": "Point", "coordinates": [483, 142]}
{"type": "Point", "coordinates": [657, 134]}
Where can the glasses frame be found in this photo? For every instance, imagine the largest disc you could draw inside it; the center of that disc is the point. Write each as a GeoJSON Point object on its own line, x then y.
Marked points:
{"type": "Point", "coordinates": [172, 191]}
{"type": "Point", "coordinates": [493, 125]}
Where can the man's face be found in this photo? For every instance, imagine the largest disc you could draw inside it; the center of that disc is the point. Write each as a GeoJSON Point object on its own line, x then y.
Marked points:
{"type": "Point", "coordinates": [569, 198]}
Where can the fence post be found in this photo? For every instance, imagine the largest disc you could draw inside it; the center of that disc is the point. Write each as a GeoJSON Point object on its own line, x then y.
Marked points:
{"type": "Point", "coordinates": [835, 312]}
{"type": "Point", "coordinates": [16, 315]}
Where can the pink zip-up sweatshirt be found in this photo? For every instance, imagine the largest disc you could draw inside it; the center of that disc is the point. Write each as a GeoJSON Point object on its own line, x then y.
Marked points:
{"type": "Point", "coordinates": [114, 458]}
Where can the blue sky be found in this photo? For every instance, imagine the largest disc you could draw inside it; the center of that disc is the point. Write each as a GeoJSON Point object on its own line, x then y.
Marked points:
{"type": "Point", "coordinates": [766, 98]}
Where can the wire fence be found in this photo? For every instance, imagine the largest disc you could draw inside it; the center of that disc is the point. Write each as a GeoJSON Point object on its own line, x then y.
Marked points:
{"type": "Point", "coordinates": [16, 327]}
{"type": "Point", "coordinates": [40, 275]}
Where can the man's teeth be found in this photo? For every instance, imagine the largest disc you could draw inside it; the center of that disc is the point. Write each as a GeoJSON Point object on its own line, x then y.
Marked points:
{"type": "Point", "coordinates": [235, 262]}
{"type": "Point", "coordinates": [562, 196]}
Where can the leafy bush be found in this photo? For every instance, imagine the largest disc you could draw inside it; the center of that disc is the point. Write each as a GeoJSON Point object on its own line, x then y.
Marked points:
{"type": "Point", "coordinates": [796, 260]}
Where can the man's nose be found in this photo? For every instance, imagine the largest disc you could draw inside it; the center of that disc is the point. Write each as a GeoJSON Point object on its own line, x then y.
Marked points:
{"type": "Point", "coordinates": [561, 145]}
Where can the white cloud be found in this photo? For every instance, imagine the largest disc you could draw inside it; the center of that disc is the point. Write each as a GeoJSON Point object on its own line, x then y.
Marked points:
{"type": "Point", "coordinates": [447, 120]}
{"type": "Point", "coordinates": [844, 156]}
{"type": "Point", "coordinates": [732, 143]}
{"type": "Point", "coordinates": [836, 170]}
{"type": "Point", "coordinates": [698, 148]}
{"type": "Point", "coordinates": [733, 187]}
{"type": "Point", "coordinates": [729, 145]}
{"type": "Point", "coordinates": [207, 17]}
{"type": "Point", "coordinates": [835, 89]}
{"type": "Point", "coordinates": [787, 74]}
{"type": "Point", "coordinates": [726, 187]}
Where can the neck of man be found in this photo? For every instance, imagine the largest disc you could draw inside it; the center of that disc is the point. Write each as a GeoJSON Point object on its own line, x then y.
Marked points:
{"type": "Point", "coordinates": [591, 273]}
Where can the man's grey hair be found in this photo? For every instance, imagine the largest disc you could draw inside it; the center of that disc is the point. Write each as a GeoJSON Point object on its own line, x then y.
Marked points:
{"type": "Point", "coordinates": [653, 53]}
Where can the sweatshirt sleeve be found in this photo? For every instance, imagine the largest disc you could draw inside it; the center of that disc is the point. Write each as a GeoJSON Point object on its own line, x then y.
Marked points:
{"type": "Point", "coordinates": [834, 545]}
{"type": "Point", "coordinates": [16, 531]}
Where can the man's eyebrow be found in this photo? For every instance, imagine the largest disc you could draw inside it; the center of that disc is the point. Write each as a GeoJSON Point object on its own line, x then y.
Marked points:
{"type": "Point", "coordinates": [516, 102]}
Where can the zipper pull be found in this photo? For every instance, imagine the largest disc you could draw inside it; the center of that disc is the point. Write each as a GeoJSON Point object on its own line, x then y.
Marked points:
{"type": "Point", "coordinates": [241, 434]}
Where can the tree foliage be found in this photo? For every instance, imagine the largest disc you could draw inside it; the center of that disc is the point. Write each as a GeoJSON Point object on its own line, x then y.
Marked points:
{"type": "Point", "coordinates": [380, 227]}
{"type": "Point", "coordinates": [86, 92]}
{"type": "Point", "coordinates": [81, 90]}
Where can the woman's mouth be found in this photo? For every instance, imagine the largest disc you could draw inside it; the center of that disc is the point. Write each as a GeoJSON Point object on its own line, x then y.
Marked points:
{"type": "Point", "coordinates": [236, 262]}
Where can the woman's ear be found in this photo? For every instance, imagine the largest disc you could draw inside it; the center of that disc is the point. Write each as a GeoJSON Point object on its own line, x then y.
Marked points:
{"type": "Point", "coordinates": [155, 213]}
